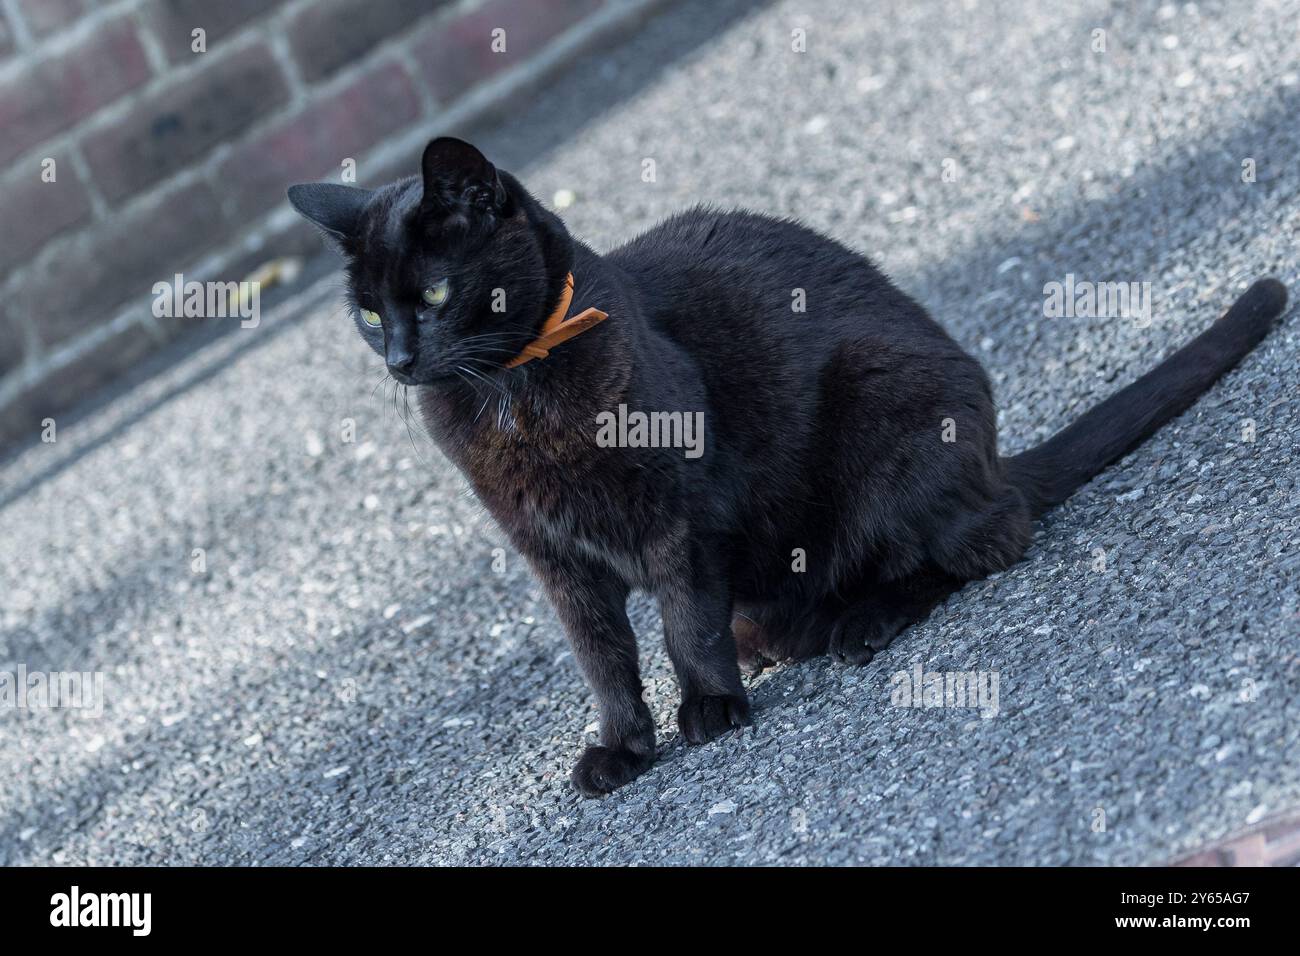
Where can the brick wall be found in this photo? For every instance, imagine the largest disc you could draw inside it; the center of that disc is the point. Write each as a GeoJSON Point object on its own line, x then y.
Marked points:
{"type": "Point", "coordinates": [134, 148]}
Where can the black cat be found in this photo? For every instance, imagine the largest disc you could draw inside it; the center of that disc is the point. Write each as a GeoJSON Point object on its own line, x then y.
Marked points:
{"type": "Point", "coordinates": [849, 477]}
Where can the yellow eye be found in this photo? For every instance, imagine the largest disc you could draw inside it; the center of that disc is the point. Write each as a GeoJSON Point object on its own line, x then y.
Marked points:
{"type": "Point", "coordinates": [436, 295]}
{"type": "Point", "coordinates": [371, 318]}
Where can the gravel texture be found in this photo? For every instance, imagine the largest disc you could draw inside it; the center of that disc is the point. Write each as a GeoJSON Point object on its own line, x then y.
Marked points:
{"type": "Point", "coordinates": [350, 680]}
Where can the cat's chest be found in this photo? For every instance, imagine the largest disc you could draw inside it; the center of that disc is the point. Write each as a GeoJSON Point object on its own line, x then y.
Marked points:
{"type": "Point", "coordinates": [554, 486]}
{"type": "Point", "coordinates": [578, 524]}
{"type": "Point", "coordinates": [602, 514]}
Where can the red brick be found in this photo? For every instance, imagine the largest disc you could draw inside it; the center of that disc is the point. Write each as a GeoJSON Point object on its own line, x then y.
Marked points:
{"type": "Point", "coordinates": [95, 369]}
{"type": "Point", "coordinates": [173, 21]}
{"type": "Point", "coordinates": [35, 211]}
{"type": "Point", "coordinates": [46, 16]}
{"type": "Point", "coordinates": [55, 93]}
{"type": "Point", "coordinates": [181, 124]}
{"type": "Point", "coordinates": [458, 54]}
{"type": "Point", "coordinates": [1274, 843]}
{"type": "Point", "coordinates": [119, 264]}
{"type": "Point", "coordinates": [126, 348]}
{"type": "Point", "coordinates": [317, 140]}
{"type": "Point", "coordinates": [330, 34]}
{"type": "Point", "coordinates": [71, 384]}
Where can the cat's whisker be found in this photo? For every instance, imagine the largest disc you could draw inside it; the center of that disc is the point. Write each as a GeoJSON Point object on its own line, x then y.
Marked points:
{"type": "Point", "coordinates": [483, 336]}
{"type": "Point", "coordinates": [487, 398]}
{"type": "Point", "coordinates": [460, 371]}
{"type": "Point", "coordinates": [485, 380]}
{"type": "Point", "coordinates": [478, 372]}
{"type": "Point", "coordinates": [374, 370]}
{"type": "Point", "coordinates": [502, 411]}
{"type": "Point", "coordinates": [405, 415]}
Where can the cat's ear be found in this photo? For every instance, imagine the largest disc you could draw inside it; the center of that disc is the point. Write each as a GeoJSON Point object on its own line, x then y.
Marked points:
{"type": "Point", "coordinates": [336, 209]}
{"type": "Point", "coordinates": [459, 181]}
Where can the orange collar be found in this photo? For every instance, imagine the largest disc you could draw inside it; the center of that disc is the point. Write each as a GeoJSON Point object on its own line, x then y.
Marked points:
{"type": "Point", "coordinates": [557, 328]}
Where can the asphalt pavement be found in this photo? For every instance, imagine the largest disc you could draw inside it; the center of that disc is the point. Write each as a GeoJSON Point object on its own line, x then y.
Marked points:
{"type": "Point", "coordinates": [312, 651]}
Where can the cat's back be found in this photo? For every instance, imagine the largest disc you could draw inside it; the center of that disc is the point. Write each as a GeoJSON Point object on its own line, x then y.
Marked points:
{"type": "Point", "coordinates": [705, 237]}
{"type": "Point", "coordinates": [744, 269]}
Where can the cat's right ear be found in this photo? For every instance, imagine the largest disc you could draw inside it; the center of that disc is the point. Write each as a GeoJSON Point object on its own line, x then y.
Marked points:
{"type": "Point", "coordinates": [334, 208]}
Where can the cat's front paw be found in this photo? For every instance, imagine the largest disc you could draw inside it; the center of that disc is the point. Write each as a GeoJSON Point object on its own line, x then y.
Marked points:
{"type": "Point", "coordinates": [705, 717]}
{"type": "Point", "coordinates": [602, 769]}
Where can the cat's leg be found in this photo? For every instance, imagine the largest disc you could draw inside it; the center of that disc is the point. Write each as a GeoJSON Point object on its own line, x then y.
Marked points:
{"type": "Point", "coordinates": [696, 607]}
{"type": "Point", "coordinates": [974, 543]}
{"type": "Point", "coordinates": [592, 605]}
{"type": "Point", "coordinates": [871, 622]}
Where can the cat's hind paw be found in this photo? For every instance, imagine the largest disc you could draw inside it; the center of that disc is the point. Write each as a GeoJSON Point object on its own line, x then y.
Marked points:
{"type": "Point", "coordinates": [863, 631]}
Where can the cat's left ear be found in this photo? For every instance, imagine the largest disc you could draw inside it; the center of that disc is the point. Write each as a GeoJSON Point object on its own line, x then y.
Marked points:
{"type": "Point", "coordinates": [459, 181]}
{"type": "Point", "coordinates": [336, 209]}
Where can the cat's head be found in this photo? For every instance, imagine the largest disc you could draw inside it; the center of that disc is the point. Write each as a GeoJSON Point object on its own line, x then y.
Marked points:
{"type": "Point", "coordinates": [450, 273]}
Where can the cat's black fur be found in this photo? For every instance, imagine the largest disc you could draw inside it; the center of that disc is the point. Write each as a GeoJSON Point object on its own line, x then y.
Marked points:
{"type": "Point", "coordinates": [824, 429]}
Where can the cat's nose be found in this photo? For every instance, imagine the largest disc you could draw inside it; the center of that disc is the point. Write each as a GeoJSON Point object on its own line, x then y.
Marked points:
{"type": "Point", "coordinates": [401, 362]}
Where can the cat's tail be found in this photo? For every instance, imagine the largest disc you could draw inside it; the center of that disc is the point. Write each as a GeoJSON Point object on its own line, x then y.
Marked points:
{"type": "Point", "coordinates": [1052, 471]}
